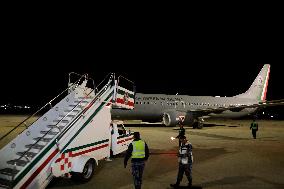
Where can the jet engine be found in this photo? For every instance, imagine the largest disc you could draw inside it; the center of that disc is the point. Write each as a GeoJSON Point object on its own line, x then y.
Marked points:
{"type": "Point", "coordinates": [173, 118]}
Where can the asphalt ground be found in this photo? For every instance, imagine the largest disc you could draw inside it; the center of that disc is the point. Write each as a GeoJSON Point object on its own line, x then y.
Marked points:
{"type": "Point", "coordinates": [225, 156]}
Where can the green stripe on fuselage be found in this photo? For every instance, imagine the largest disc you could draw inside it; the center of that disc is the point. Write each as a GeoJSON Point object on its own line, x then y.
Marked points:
{"type": "Point", "coordinates": [263, 85]}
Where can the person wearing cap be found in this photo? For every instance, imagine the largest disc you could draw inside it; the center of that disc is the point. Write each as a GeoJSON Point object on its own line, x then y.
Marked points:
{"type": "Point", "coordinates": [181, 133]}
{"type": "Point", "coordinates": [185, 159]}
{"type": "Point", "coordinates": [139, 152]}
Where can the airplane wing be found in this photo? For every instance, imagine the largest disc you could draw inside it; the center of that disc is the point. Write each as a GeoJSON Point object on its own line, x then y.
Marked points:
{"type": "Point", "coordinates": [236, 108]}
{"type": "Point", "coordinates": [187, 116]}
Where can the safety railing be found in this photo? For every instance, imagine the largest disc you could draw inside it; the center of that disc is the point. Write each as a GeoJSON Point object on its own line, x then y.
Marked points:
{"type": "Point", "coordinates": [97, 96]}
{"type": "Point", "coordinates": [69, 124]}
{"type": "Point", "coordinates": [107, 86]}
{"type": "Point", "coordinates": [48, 104]}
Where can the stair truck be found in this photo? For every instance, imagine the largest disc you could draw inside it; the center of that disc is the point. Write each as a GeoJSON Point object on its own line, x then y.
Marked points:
{"type": "Point", "coordinates": [70, 137]}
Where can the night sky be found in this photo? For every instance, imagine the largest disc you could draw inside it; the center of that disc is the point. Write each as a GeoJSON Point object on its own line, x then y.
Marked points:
{"type": "Point", "coordinates": [212, 59]}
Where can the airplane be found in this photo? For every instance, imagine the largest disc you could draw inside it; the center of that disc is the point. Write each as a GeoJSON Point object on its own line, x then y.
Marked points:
{"type": "Point", "coordinates": [192, 110]}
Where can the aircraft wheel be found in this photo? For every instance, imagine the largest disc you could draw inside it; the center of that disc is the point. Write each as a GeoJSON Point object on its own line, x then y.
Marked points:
{"type": "Point", "coordinates": [88, 172]}
{"type": "Point", "coordinates": [199, 125]}
{"type": "Point", "coordinates": [195, 125]}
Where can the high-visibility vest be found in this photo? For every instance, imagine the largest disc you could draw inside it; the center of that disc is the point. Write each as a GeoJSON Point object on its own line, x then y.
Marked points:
{"type": "Point", "coordinates": [254, 125]}
{"type": "Point", "coordinates": [138, 149]}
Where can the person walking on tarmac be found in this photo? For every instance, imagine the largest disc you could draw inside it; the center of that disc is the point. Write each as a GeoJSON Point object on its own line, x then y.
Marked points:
{"type": "Point", "coordinates": [185, 159]}
{"type": "Point", "coordinates": [181, 133]}
{"type": "Point", "coordinates": [254, 128]}
{"type": "Point", "coordinates": [139, 152]}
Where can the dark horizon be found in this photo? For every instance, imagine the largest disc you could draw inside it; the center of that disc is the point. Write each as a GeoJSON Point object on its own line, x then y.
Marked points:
{"type": "Point", "coordinates": [195, 80]}
{"type": "Point", "coordinates": [215, 59]}
{"type": "Point", "coordinates": [38, 87]}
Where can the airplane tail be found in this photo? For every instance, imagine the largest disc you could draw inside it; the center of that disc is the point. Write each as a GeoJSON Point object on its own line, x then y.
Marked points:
{"type": "Point", "coordinates": [258, 88]}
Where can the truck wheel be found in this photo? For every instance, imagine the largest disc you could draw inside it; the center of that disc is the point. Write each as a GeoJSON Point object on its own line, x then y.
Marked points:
{"type": "Point", "coordinates": [88, 172]}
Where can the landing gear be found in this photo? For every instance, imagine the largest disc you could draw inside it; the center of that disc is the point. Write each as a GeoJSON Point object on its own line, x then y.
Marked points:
{"type": "Point", "coordinates": [198, 124]}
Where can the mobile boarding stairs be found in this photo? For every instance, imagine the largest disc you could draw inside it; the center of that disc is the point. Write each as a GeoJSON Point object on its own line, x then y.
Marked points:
{"type": "Point", "coordinates": [27, 160]}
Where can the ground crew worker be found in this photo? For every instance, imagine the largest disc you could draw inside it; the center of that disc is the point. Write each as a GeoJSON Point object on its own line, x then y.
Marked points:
{"type": "Point", "coordinates": [139, 153]}
{"type": "Point", "coordinates": [185, 162]}
{"type": "Point", "coordinates": [181, 133]}
{"type": "Point", "coordinates": [254, 128]}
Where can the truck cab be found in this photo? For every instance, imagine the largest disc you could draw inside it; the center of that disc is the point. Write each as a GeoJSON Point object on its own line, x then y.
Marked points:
{"type": "Point", "coordinates": [120, 137]}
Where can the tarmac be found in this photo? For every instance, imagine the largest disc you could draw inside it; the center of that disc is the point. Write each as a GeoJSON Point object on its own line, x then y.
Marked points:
{"type": "Point", "coordinates": [225, 156]}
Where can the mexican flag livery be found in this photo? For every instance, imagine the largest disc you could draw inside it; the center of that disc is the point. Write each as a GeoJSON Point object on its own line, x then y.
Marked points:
{"type": "Point", "coordinates": [124, 98]}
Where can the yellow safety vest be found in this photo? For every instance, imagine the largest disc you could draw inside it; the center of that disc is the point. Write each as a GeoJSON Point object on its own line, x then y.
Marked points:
{"type": "Point", "coordinates": [138, 149]}
{"type": "Point", "coordinates": [254, 125]}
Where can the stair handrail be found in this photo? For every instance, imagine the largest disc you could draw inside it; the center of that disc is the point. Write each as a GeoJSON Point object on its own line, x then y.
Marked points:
{"type": "Point", "coordinates": [89, 78]}
{"type": "Point", "coordinates": [97, 95]}
{"type": "Point", "coordinates": [60, 135]}
{"type": "Point", "coordinates": [49, 103]}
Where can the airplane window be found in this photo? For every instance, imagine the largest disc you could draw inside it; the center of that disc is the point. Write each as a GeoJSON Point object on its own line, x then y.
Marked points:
{"type": "Point", "coordinates": [148, 103]}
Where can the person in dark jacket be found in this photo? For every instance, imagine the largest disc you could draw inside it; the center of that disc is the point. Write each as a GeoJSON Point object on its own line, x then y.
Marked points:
{"type": "Point", "coordinates": [139, 152]}
{"type": "Point", "coordinates": [185, 159]}
{"type": "Point", "coordinates": [181, 134]}
{"type": "Point", "coordinates": [254, 128]}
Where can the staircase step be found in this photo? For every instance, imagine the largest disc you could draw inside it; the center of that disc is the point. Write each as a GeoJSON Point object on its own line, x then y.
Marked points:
{"type": "Point", "coordinates": [83, 97]}
{"type": "Point", "coordinates": [5, 183]}
{"type": "Point", "coordinates": [9, 171]}
{"type": "Point", "coordinates": [35, 146]}
{"type": "Point", "coordinates": [28, 154]}
{"type": "Point", "coordinates": [75, 111]}
{"type": "Point", "coordinates": [49, 132]}
{"type": "Point", "coordinates": [62, 121]}
{"type": "Point", "coordinates": [43, 139]}
{"type": "Point", "coordinates": [69, 115]}
{"type": "Point", "coordinates": [77, 106]}
{"type": "Point", "coordinates": [55, 126]}
{"type": "Point", "coordinates": [81, 101]}
{"type": "Point", "coordinates": [18, 162]}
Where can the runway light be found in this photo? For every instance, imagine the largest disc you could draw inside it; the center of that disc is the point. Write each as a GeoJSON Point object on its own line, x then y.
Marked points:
{"type": "Point", "coordinates": [173, 138]}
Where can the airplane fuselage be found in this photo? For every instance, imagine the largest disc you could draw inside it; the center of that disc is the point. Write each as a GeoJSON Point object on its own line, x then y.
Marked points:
{"type": "Point", "coordinates": [153, 106]}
